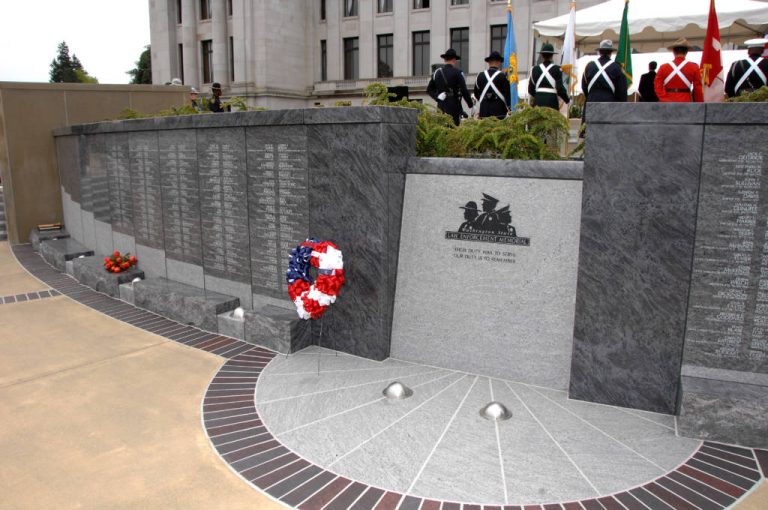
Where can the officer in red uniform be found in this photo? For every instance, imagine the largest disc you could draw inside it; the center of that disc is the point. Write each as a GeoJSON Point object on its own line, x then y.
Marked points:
{"type": "Point", "coordinates": [679, 81]}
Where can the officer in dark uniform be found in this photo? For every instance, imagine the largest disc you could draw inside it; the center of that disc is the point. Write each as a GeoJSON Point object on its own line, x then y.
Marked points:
{"type": "Point", "coordinates": [492, 89]}
{"type": "Point", "coordinates": [604, 80]}
{"type": "Point", "coordinates": [546, 81]}
{"type": "Point", "coordinates": [215, 103]}
{"type": "Point", "coordinates": [470, 217]}
{"type": "Point", "coordinates": [448, 87]}
{"type": "Point", "coordinates": [751, 73]}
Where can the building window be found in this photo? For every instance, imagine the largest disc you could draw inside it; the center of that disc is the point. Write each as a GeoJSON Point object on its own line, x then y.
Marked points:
{"type": "Point", "coordinates": [386, 56]}
{"type": "Point", "coordinates": [350, 8]}
{"type": "Point", "coordinates": [498, 37]}
{"type": "Point", "coordinates": [351, 58]}
{"type": "Point", "coordinates": [421, 53]}
{"type": "Point", "coordinates": [459, 2]}
{"type": "Point", "coordinates": [421, 4]}
{"type": "Point", "coordinates": [322, 10]}
{"type": "Point", "coordinates": [205, 9]}
{"type": "Point", "coordinates": [229, 7]}
{"type": "Point", "coordinates": [207, 54]}
{"type": "Point", "coordinates": [460, 43]}
{"type": "Point", "coordinates": [181, 62]}
{"type": "Point", "coordinates": [232, 59]}
{"type": "Point", "coordinates": [323, 61]}
{"type": "Point", "coordinates": [178, 12]}
{"type": "Point", "coordinates": [385, 5]}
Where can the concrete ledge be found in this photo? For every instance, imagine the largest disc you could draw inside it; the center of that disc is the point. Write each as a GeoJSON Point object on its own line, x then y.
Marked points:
{"type": "Point", "coordinates": [645, 113]}
{"type": "Point", "coordinates": [724, 405]}
{"type": "Point", "coordinates": [566, 170]}
{"type": "Point", "coordinates": [183, 303]}
{"type": "Point", "coordinates": [36, 237]}
{"type": "Point", "coordinates": [339, 115]}
{"type": "Point", "coordinates": [277, 328]}
{"type": "Point", "coordinates": [57, 252]}
{"type": "Point", "coordinates": [90, 271]}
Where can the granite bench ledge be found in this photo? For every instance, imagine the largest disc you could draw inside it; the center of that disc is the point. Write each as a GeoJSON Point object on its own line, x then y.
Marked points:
{"type": "Point", "coordinates": [90, 271]}
{"type": "Point", "coordinates": [276, 328]}
{"type": "Point", "coordinates": [183, 303]}
{"type": "Point", "coordinates": [36, 236]}
{"type": "Point", "coordinates": [58, 252]}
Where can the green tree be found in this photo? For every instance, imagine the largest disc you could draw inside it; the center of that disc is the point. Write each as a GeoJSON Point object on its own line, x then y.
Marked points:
{"type": "Point", "coordinates": [142, 73]}
{"type": "Point", "coordinates": [66, 69]}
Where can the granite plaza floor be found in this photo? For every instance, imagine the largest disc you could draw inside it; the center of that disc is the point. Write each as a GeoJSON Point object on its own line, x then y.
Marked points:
{"type": "Point", "coordinates": [100, 407]}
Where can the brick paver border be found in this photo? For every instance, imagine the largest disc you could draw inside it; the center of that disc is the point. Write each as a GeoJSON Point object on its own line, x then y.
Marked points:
{"type": "Point", "coordinates": [715, 477]}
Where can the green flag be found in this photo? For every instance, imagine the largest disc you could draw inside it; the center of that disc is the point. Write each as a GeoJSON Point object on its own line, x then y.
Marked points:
{"type": "Point", "coordinates": [624, 55]}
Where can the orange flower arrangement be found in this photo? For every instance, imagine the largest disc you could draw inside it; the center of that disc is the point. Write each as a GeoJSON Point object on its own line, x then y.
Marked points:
{"type": "Point", "coordinates": [117, 263]}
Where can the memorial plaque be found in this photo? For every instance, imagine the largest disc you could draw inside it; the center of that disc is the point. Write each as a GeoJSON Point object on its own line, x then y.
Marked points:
{"type": "Point", "coordinates": [146, 189]}
{"type": "Point", "coordinates": [278, 195]}
{"type": "Point", "coordinates": [224, 209]}
{"type": "Point", "coordinates": [97, 171]}
{"type": "Point", "coordinates": [120, 195]}
{"type": "Point", "coordinates": [497, 297]}
{"type": "Point", "coordinates": [728, 307]}
{"type": "Point", "coordinates": [181, 196]}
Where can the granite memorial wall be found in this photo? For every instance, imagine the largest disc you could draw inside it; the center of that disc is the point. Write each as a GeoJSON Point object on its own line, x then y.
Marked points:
{"type": "Point", "coordinates": [487, 276]}
{"type": "Point", "coordinates": [671, 308]}
{"type": "Point", "coordinates": [218, 201]}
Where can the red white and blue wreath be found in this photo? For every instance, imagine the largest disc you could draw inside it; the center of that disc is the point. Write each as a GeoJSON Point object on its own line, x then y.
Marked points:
{"type": "Point", "coordinates": [312, 299]}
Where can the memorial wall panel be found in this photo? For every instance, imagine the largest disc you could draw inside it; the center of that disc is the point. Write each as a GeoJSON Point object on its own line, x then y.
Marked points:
{"type": "Point", "coordinates": [97, 170]}
{"type": "Point", "coordinates": [120, 194]}
{"type": "Point", "coordinates": [181, 196]}
{"type": "Point", "coordinates": [278, 198]}
{"type": "Point", "coordinates": [728, 308]}
{"type": "Point", "coordinates": [223, 203]}
{"type": "Point", "coordinates": [146, 189]}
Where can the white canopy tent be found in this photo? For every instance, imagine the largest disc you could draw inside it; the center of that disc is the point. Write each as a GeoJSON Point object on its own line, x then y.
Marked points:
{"type": "Point", "coordinates": [653, 24]}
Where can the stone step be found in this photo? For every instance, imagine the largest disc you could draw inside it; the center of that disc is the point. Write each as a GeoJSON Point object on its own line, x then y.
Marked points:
{"type": "Point", "coordinates": [181, 302]}
{"type": "Point", "coordinates": [57, 252]}
{"type": "Point", "coordinates": [90, 271]}
{"type": "Point", "coordinates": [276, 328]}
{"type": "Point", "coordinates": [36, 236]}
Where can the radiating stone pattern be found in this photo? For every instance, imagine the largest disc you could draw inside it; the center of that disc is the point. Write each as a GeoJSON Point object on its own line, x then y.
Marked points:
{"type": "Point", "coordinates": [278, 198]}
{"type": "Point", "coordinates": [252, 186]}
{"type": "Point", "coordinates": [641, 181]}
{"type": "Point", "coordinates": [120, 194]}
{"type": "Point", "coordinates": [146, 189]}
{"type": "Point", "coordinates": [181, 196]}
{"type": "Point", "coordinates": [728, 309]}
{"type": "Point", "coordinates": [223, 203]}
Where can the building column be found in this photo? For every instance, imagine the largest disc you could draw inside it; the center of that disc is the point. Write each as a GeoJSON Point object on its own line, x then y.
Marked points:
{"type": "Point", "coordinates": [189, 42]}
{"type": "Point", "coordinates": [220, 42]}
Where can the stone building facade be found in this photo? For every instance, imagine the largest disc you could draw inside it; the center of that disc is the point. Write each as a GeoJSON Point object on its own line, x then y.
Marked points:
{"type": "Point", "coordinates": [296, 53]}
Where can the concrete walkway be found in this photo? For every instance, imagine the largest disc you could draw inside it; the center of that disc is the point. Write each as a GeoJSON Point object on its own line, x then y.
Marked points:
{"type": "Point", "coordinates": [95, 413]}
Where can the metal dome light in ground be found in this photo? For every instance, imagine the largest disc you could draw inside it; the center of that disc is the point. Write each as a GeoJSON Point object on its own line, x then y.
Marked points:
{"type": "Point", "coordinates": [495, 411]}
{"type": "Point", "coordinates": [397, 391]}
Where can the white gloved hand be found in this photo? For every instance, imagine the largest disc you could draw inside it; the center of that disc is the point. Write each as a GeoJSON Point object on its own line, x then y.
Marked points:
{"type": "Point", "coordinates": [442, 96]}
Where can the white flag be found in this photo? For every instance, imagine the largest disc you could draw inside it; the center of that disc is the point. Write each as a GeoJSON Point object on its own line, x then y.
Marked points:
{"type": "Point", "coordinates": [568, 58]}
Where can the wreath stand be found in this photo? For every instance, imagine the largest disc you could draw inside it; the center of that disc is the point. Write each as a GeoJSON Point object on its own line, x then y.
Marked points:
{"type": "Point", "coordinates": [320, 340]}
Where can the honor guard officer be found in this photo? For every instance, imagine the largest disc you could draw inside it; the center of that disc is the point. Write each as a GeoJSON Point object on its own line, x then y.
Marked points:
{"type": "Point", "coordinates": [448, 87]}
{"type": "Point", "coordinates": [546, 82]}
{"type": "Point", "coordinates": [604, 80]}
{"type": "Point", "coordinates": [751, 73]}
{"type": "Point", "coordinates": [679, 81]}
{"type": "Point", "coordinates": [492, 89]}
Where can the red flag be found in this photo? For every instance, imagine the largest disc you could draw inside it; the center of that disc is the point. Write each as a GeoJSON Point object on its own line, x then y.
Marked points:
{"type": "Point", "coordinates": [712, 61]}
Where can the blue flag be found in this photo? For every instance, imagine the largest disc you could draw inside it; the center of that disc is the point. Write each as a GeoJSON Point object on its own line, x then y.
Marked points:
{"type": "Point", "coordinates": [510, 59]}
